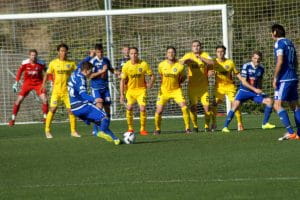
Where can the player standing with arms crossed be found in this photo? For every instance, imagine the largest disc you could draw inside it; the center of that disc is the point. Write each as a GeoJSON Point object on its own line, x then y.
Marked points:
{"type": "Point", "coordinates": [198, 62]}
{"type": "Point", "coordinates": [135, 71]}
{"type": "Point", "coordinates": [172, 74]}
{"type": "Point", "coordinates": [61, 68]}
{"type": "Point", "coordinates": [285, 81]}
{"type": "Point", "coordinates": [33, 69]}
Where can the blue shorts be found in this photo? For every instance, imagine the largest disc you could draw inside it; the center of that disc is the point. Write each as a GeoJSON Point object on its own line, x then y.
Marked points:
{"type": "Point", "coordinates": [244, 95]}
{"type": "Point", "coordinates": [286, 91]}
{"type": "Point", "coordinates": [89, 113]}
{"type": "Point", "coordinates": [102, 94]}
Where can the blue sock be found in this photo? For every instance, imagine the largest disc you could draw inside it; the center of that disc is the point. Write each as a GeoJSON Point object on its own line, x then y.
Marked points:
{"type": "Point", "coordinates": [267, 114]}
{"type": "Point", "coordinates": [95, 129]}
{"type": "Point", "coordinates": [285, 120]}
{"type": "Point", "coordinates": [229, 118]}
{"type": "Point", "coordinates": [104, 127]}
{"type": "Point", "coordinates": [297, 119]}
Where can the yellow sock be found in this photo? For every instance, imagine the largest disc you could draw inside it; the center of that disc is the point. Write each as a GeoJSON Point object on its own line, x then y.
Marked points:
{"type": "Point", "coordinates": [72, 119]}
{"type": "Point", "coordinates": [207, 119]}
{"type": "Point", "coordinates": [143, 119]}
{"type": "Point", "coordinates": [193, 116]}
{"type": "Point", "coordinates": [238, 116]}
{"type": "Point", "coordinates": [186, 118]}
{"type": "Point", "coordinates": [49, 119]}
{"type": "Point", "coordinates": [129, 117]}
{"type": "Point", "coordinates": [213, 114]}
{"type": "Point", "coordinates": [157, 120]}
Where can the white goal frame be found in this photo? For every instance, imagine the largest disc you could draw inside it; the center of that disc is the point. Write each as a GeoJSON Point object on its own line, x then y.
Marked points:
{"type": "Point", "coordinates": [108, 13]}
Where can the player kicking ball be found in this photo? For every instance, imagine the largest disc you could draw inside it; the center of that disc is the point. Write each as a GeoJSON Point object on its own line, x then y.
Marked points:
{"type": "Point", "coordinates": [250, 89]}
{"type": "Point", "coordinates": [82, 104]}
{"type": "Point", "coordinates": [172, 74]}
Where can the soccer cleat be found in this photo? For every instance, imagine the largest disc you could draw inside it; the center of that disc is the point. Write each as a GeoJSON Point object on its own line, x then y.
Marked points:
{"type": "Point", "coordinates": [156, 132]}
{"type": "Point", "coordinates": [225, 130]}
{"type": "Point", "coordinates": [48, 135]}
{"type": "Point", "coordinates": [105, 136]}
{"type": "Point", "coordinates": [188, 131]}
{"type": "Point", "coordinates": [76, 135]}
{"type": "Point", "coordinates": [213, 128]}
{"type": "Point", "coordinates": [130, 131]}
{"type": "Point", "coordinates": [144, 132]}
{"type": "Point", "coordinates": [240, 127]}
{"type": "Point", "coordinates": [288, 136]}
{"type": "Point", "coordinates": [268, 126]}
{"type": "Point", "coordinates": [206, 130]}
{"type": "Point", "coordinates": [117, 141]}
{"type": "Point", "coordinates": [11, 123]}
{"type": "Point", "coordinates": [195, 129]}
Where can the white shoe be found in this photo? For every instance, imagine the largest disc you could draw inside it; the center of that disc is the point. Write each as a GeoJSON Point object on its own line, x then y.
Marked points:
{"type": "Point", "coordinates": [48, 135]}
{"type": "Point", "coordinates": [75, 134]}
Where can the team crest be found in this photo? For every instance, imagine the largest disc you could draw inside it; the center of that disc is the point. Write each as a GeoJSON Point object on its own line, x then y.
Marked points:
{"type": "Point", "coordinates": [68, 66]}
{"type": "Point", "coordinates": [175, 70]}
{"type": "Point", "coordinates": [226, 67]}
{"type": "Point", "coordinates": [140, 69]}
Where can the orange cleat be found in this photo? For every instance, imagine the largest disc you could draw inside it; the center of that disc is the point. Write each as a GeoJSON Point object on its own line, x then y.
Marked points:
{"type": "Point", "coordinates": [130, 131]}
{"type": "Point", "coordinates": [11, 123]}
{"type": "Point", "coordinates": [144, 132]}
{"type": "Point", "coordinates": [288, 136]}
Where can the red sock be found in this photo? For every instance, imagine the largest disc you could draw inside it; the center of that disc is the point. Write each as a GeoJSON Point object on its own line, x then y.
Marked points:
{"type": "Point", "coordinates": [45, 108]}
{"type": "Point", "coordinates": [16, 109]}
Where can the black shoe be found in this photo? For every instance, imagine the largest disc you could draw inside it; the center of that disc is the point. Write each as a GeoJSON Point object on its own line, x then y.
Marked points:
{"type": "Point", "coordinates": [156, 132]}
{"type": "Point", "coordinates": [188, 131]}
{"type": "Point", "coordinates": [195, 130]}
{"type": "Point", "coordinates": [206, 130]}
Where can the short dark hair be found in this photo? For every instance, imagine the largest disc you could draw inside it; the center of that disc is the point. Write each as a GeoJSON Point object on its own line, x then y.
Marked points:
{"type": "Point", "coordinates": [171, 47]}
{"type": "Point", "coordinates": [134, 48]}
{"type": "Point", "coordinates": [280, 32]}
{"type": "Point", "coordinates": [32, 51]}
{"type": "Point", "coordinates": [198, 41]}
{"type": "Point", "coordinates": [62, 45]}
{"type": "Point", "coordinates": [259, 53]}
{"type": "Point", "coordinates": [221, 47]}
{"type": "Point", "coordinates": [86, 66]}
{"type": "Point", "coordinates": [98, 46]}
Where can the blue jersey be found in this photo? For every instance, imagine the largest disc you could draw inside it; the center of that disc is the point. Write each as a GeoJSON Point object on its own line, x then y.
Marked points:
{"type": "Point", "coordinates": [101, 81]}
{"type": "Point", "coordinates": [77, 87]}
{"type": "Point", "coordinates": [86, 59]}
{"type": "Point", "coordinates": [286, 48]}
{"type": "Point", "coordinates": [252, 74]}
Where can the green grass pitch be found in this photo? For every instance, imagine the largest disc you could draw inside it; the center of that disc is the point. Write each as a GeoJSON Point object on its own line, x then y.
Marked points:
{"type": "Point", "coordinates": [247, 165]}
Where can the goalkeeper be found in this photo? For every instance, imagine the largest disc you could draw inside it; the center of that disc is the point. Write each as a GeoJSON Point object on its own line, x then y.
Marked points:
{"type": "Point", "coordinates": [33, 70]}
{"type": "Point", "coordinates": [172, 74]}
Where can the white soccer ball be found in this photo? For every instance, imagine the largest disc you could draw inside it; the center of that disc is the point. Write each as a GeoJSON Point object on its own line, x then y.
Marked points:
{"type": "Point", "coordinates": [129, 138]}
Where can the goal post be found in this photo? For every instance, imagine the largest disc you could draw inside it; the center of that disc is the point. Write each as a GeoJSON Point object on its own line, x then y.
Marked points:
{"type": "Point", "coordinates": [150, 29]}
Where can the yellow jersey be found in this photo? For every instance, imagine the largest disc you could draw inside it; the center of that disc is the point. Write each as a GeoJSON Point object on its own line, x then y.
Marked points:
{"type": "Point", "coordinates": [224, 70]}
{"type": "Point", "coordinates": [197, 70]}
{"type": "Point", "coordinates": [61, 70]}
{"type": "Point", "coordinates": [135, 74]}
{"type": "Point", "coordinates": [171, 74]}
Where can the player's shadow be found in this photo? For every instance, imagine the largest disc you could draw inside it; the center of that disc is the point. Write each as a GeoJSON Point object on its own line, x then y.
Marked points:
{"type": "Point", "coordinates": [160, 140]}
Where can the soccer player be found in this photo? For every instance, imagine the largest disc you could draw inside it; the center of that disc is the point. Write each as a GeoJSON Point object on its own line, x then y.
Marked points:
{"type": "Point", "coordinates": [223, 70]}
{"type": "Point", "coordinates": [198, 62]}
{"type": "Point", "coordinates": [250, 89]}
{"type": "Point", "coordinates": [285, 81]}
{"type": "Point", "coordinates": [172, 74]}
{"type": "Point", "coordinates": [33, 70]}
{"type": "Point", "coordinates": [135, 71]}
{"type": "Point", "coordinates": [61, 68]}
{"type": "Point", "coordinates": [124, 59]}
{"type": "Point", "coordinates": [82, 104]}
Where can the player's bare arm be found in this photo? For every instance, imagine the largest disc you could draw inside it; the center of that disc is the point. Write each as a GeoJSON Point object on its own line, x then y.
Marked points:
{"type": "Point", "coordinates": [277, 69]}
{"type": "Point", "coordinates": [101, 71]}
{"type": "Point", "coordinates": [122, 86]}
{"type": "Point", "coordinates": [151, 81]}
{"type": "Point", "coordinates": [246, 84]}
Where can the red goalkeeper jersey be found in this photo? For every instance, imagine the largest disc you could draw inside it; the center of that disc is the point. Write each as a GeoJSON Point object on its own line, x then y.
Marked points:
{"type": "Point", "coordinates": [33, 73]}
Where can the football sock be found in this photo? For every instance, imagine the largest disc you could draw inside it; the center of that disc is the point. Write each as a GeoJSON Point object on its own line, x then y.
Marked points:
{"type": "Point", "coordinates": [297, 119]}
{"type": "Point", "coordinates": [238, 116]}
{"type": "Point", "coordinates": [16, 109]}
{"type": "Point", "coordinates": [143, 119]}
{"type": "Point", "coordinates": [193, 116]}
{"type": "Point", "coordinates": [129, 117]}
{"type": "Point", "coordinates": [95, 129]}
{"type": "Point", "coordinates": [207, 119]}
{"type": "Point", "coordinates": [49, 119]}
{"type": "Point", "coordinates": [72, 119]}
{"type": "Point", "coordinates": [45, 108]}
{"type": "Point", "coordinates": [229, 118]}
{"type": "Point", "coordinates": [267, 114]}
{"type": "Point", "coordinates": [186, 118]}
{"type": "Point", "coordinates": [285, 120]}
{"type": "Point", "coordinates": [157, 119]}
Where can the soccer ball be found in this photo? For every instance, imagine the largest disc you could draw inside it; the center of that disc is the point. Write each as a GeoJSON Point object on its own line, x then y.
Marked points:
{"type": "Point", "coordinates": [129, 138]}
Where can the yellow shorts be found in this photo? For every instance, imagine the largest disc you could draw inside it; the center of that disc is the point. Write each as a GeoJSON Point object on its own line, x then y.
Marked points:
{"type": "Point", "coordinates": [163, 97]}
{"type": "Point", "coordinates": [196, 94]}
{"type": "Point", "coordinates": [229, 90]}
{"type": "Point", "coordinates": [56, 99]}
{"type": "Point", "coordinates": [137, 95]}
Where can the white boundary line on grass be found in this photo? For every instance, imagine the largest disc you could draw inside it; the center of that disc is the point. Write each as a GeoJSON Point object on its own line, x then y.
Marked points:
{"type": "Point", "coordinates": [165, 181]}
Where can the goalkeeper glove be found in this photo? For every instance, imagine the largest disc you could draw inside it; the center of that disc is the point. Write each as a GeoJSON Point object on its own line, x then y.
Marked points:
{"type": "Point", "coordinates": [15, 87]}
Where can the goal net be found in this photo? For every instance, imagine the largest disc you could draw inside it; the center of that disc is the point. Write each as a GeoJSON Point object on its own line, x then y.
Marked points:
{"type": "Point", "coordinates": [151, 30]}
